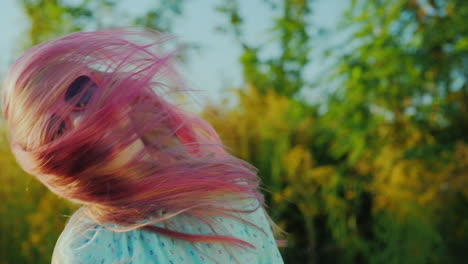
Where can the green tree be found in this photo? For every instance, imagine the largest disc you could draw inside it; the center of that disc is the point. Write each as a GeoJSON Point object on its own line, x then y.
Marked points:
{"type": "Point", "coordinates": [396, 122]}
{"type": "Point", "coordinates": [379, 176]}
{"type": "Point", "coordinates": [53, 18]}
{"type": "Point", "coordinates": [282, 73]}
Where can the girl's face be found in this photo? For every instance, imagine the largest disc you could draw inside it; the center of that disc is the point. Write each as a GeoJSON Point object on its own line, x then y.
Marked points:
{"type": "Point", "coordinates": [87, 111]}
{"type": "Point", "coordinates": [79, 93]}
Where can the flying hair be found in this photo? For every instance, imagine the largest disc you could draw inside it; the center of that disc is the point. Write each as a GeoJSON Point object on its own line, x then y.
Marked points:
{"type": "Point", "coordinates": [134, 155]}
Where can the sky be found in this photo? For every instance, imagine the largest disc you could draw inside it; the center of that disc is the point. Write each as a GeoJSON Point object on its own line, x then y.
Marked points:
{"type": "Point", "coordinates": [215, 66]}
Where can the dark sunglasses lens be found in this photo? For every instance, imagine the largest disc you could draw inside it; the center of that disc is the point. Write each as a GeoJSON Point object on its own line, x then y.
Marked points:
{"type": "Point", "coordinates": [77, 87]}
{"type": "Point", "coordinates": [58, 130]}
{"type": "Point", "coordinates": [61, 129]}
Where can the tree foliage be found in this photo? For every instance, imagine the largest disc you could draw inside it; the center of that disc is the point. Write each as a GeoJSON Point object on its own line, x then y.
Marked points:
{"type": "Point", "coordinates": [282, 73]}
{"type": "Point", "coordinates": [53, 18]}
{"type": "Point", "coordinates": [380, 176]}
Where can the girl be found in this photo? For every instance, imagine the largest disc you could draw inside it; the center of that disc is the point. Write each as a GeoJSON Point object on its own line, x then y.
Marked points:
{"type": "Point", "coordinates": [90, 115]}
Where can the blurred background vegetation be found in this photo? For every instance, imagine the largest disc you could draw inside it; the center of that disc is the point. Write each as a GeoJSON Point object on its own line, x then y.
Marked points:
{"type": "Point", "coordinates": [376, 171]}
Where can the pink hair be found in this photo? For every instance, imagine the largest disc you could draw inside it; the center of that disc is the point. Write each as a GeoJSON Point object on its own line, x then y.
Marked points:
{"type": "Point", "coordinates": [181, 165]}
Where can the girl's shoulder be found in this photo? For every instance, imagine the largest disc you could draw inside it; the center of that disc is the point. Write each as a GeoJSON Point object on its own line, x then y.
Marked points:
{"type": "Point", "coordinates": [84, 241]}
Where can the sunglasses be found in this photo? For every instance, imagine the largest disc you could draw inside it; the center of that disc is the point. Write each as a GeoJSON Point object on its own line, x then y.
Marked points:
{"type": "Point", "coordinates": [76, 88]}
{"type": "Point", "coordinates": [82, 86]}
